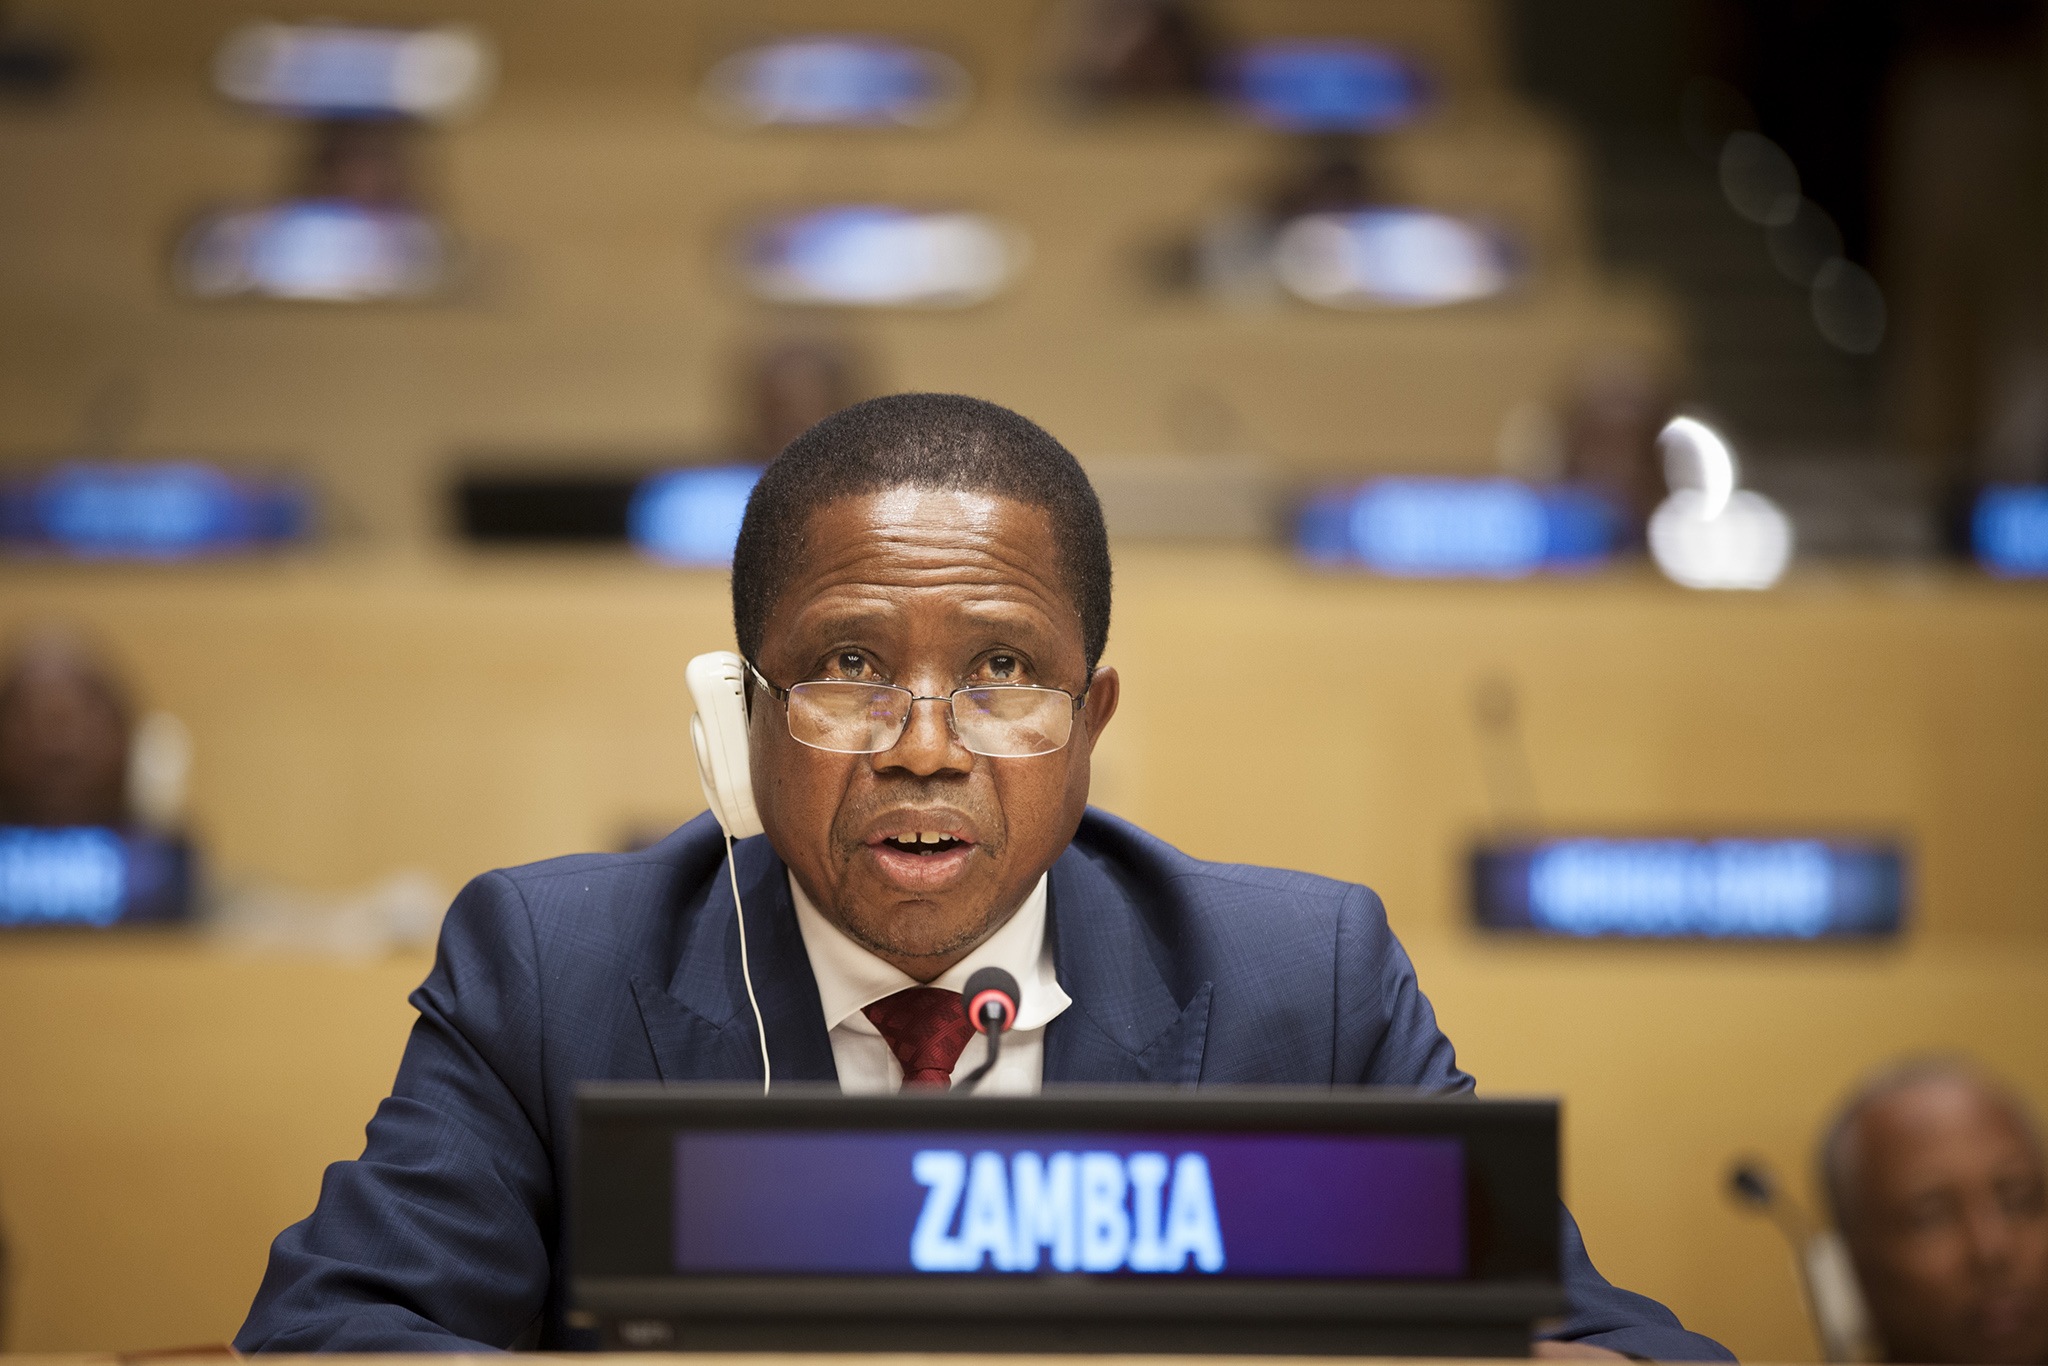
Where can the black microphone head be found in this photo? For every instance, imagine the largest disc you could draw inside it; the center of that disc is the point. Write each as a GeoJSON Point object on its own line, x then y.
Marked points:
{"type": "Point", "coordinates": [1749, 1181]}
{"type": "Point", "coordinates": [991, 988]}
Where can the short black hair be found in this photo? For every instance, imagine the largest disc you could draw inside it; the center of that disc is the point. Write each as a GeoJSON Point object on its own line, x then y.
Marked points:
{"type": "Point", "coordinates": [930, 441]}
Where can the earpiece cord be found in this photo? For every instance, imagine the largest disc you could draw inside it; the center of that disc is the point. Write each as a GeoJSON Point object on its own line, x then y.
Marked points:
{"type": "Point", "coordinates": [746, 975]}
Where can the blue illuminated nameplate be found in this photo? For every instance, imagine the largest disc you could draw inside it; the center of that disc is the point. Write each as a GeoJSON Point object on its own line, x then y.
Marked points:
{"type": "Point", "coordinates": [691, 516]}
{"type": "Point", "coordinates": [756, 1202]}
{"type": "Point", "coordinates": [1458, 528]}
{"type": "Point", "coordinates": [1393, 258]}
{"type": "Point", "coordinates": [2009, 530]}
{"type": "Point", "coordinates": [154, 510]}
{"type": "Point", "coordinates": [880, 256]}
{"type": "Point", "coordinates": [314, 251]}
{"type": "Point", "coordinates": [1666, 888]}
{"type": "Point", "coordinates": [327, 70]}
{"type": "Point", "coordinates": [848, 80]}
{"type": "Point", "coordinates": [1327, 86]}
{"type": "Point", "coordinates": [89, 877]}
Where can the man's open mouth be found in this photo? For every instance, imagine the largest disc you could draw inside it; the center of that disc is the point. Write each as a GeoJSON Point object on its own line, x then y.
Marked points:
{"type": "Point", "coordinates": [923, 842]}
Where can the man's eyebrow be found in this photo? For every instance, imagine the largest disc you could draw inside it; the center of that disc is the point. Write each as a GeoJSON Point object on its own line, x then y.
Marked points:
{"type": "Point", "coordinates": [842, 624]}
{"type": "Point", "coordinates": [1013, 620]}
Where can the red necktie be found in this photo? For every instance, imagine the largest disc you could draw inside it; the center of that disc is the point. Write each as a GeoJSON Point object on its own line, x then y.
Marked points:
{"type": "Point", "coordinates": [926, 1028]}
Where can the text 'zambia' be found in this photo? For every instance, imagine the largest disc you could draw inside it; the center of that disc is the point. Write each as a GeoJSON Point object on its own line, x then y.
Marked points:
{"type": "Point", "coordinates": [1093, 1211]}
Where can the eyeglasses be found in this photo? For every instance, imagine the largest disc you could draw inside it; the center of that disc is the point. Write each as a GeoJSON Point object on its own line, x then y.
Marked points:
{"type": "Point", "coordinates": [1004, 721]}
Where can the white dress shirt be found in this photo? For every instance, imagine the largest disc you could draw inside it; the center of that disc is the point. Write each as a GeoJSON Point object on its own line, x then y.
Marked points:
{"type": "Point", "coordinates": [850, 978]}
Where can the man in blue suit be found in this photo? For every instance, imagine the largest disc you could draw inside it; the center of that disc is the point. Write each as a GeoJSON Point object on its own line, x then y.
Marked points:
{"type": "Point", "coordinates": [921, 595]}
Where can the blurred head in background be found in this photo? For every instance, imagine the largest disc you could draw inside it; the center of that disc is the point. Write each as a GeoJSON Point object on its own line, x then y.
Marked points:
{"type": "Point", "coordinates": [795, 385]}
{"type": "Point", "coordinates": [1137, 50]}
{"type": "Point", "coordinates": [1934, 1172]}
{"type": "Point", "coordinates": [1330, 175]}
{"type": "Point", "coordinates": [64, 732]}
{"type": "Point", "coordinates": [362, 161]}
{"type": "Point", "coordinates": [1617, 405]}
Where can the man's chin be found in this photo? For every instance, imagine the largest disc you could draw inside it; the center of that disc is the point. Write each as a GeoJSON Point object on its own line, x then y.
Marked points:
{"type": "Point", "coordinates": [922, 966]}
{"type": "Point", "coordinates": [923, 937]}
{"type": "Point", "coordinates": [1998, 1345]}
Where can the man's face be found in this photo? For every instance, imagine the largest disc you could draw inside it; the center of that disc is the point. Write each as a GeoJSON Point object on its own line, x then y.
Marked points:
{"type": "Point", "coordinates": [930, 590]}
{"type": "Point", "coordinates": [1949, 1226]}
{"type": "Point", "coordinates": [63, 747]}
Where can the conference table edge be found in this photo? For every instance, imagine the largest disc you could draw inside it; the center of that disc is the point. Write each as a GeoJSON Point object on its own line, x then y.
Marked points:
{"type": "Point", "coordinates": [717, 1359]}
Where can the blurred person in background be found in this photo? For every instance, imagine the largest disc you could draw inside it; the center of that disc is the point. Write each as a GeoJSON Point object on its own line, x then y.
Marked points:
{"type": "Point", "coordinates": [792, 386]}
{"type": "Point", "coordinates": [1330, 176]}
{"type": "Point", "coordinates": [1960, 228]}
{"type": "Point", "coordinates": [72, 756]}
{"type": "Point", "coordinates": [361, 161]}
{"type": "Point", "coordinates": [64, 736]}
{"type": "Point", "coordinates": [1131, 51]}
{"type": "Point", "coordinates": [1616, 408]}
{"type": "Point", "coordinates": [1934, 1174]}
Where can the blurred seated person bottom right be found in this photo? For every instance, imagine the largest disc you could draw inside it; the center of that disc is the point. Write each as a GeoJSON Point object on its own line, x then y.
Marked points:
{"type": "Point", "coordinates": [1934, 1172]}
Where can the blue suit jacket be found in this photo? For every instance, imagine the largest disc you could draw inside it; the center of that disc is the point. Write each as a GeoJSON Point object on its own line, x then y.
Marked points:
{"type": "Point", "coordinates": [445, 1234]}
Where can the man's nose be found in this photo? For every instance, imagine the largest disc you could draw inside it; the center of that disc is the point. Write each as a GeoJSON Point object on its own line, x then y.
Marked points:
{"type": "Point", "coordinates": [928, 744]}
{"type": "Point", "coordinates": [1990, 1232]}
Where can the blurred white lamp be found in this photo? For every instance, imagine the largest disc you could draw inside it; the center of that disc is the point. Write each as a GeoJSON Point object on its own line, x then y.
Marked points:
{"type": "Point", "coordinates": [159, 765]}
{"type": "Point", "coordinates": [1711, 533]}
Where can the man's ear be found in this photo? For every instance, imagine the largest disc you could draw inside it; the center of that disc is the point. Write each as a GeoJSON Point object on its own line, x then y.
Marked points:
{"type": "Point", "coordinates": [1104, 691]}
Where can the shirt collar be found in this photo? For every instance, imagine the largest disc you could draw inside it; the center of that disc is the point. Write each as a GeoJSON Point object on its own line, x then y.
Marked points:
{"type": "Point", "coordinates": [850, 977]}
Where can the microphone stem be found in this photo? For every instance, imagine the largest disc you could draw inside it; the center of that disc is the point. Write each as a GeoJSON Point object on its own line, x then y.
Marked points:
{"type": "Point", "coordinates": [992, 1025]}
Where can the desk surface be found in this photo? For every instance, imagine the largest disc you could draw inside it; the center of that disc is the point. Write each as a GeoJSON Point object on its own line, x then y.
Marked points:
{"type": "Point", "coordinates": [740, 1359]}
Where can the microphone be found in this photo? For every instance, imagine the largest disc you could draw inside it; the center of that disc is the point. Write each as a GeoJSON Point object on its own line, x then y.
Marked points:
{"type": "Point", "coordinates": [990, 998]}
{"type": "Point", "coordinates": [1826, 1272]}
{"type": "Point", "coordinates": [1750, 1183]}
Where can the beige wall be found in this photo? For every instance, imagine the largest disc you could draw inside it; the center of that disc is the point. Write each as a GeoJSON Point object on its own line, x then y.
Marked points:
{"type": "Point", "coordinates": [169, 1105]}
{"type": "Point", "coordinates": [598, 201]}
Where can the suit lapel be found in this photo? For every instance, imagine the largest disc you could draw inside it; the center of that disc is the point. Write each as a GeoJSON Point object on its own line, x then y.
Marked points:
{"type": "Point", "coordinates": [701, 1026]}
{"type": "Point", "coordinates": [1126, 1024]}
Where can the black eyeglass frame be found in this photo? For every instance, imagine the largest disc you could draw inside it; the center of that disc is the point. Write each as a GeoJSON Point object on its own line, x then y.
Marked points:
{"type": "Point", "coordinates": [782, 695]}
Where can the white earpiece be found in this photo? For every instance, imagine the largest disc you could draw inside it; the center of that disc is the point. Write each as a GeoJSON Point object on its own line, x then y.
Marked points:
{"type": "Point", "coordinates": [718, 732]}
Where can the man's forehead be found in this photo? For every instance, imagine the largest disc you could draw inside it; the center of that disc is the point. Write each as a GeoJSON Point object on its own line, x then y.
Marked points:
{"type": "Point", "coordinates": [982, 554]}
{"type": "Point", "coordinates": [915, 521]}
{"type": "Point", "coordinates": [1937, 1121]}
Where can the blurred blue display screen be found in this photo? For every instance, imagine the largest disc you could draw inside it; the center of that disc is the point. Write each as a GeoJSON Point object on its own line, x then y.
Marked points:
{"type": "Point", "coordinates": [1401, 258]}
{"type": "Point", "coordinates": [1308, 85]}
{"type": "Point", "coordinates": [836, 79]}
{"type": "Point", "coordinates": [2009, 530]}
{"type": "Point", "coordinates": [338, 70]}
{"type": "Point", "coordinates": [691, 516]}
{"type": "Point", "coordinates": [330, 70]}
{"type": "Point", "coordinates": [90, 876]}
{"type": "Point", "coordinates": [155, 510]}
{"type": "Point", "coordinates": [879, 255]}
{"type": "Point", "coordinates": [1665, 888]}
{"type": "Point", "coordinates": [1458, 528]}
{"type": "Point", "coordinates": [318, 250]}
